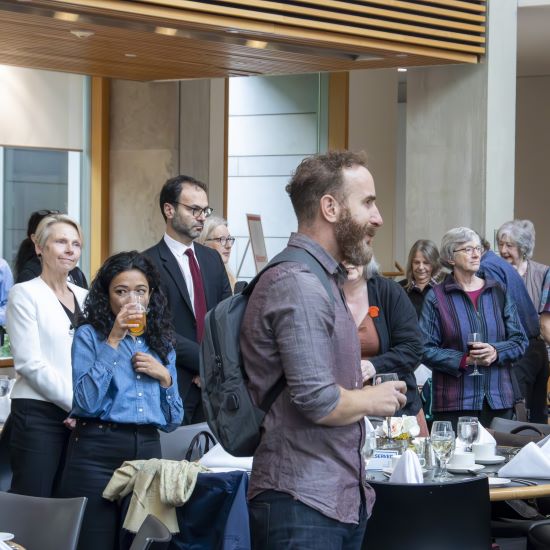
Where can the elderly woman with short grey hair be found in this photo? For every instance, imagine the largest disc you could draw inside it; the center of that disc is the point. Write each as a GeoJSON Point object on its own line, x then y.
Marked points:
{"type": "Point", "coordinates": [463, 304]}
{"type": "Point", "coordinates": [516, 243]}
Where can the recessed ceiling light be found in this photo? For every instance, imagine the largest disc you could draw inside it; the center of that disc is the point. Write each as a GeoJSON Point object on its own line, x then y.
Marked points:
{"type": "Point", "coordinates": [166, 31]}
{"type": "Point", "coordinates": [82, 34]}
{"type": "Point", "coordinates": [401, 70]}
{"type": "Point", "coordinates": [66, 16]}
{"type": "Point", "coordinates": [132, 55]}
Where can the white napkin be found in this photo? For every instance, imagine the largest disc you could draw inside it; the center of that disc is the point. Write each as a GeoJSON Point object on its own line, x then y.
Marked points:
{"type": "Point", "coordinates": [483, 436]}
{"type": "Point", "coordinates": [217, 457]}
{"type": "Point", "coordinates": [4, 546]}
{"type": "Point", "coordinates": [407, 469]}
{"type": "Point", "coordinates": [531, 461]}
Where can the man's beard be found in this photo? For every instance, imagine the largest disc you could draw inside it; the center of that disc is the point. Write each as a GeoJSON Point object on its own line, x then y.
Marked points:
{"type": "Point", "coordinates": [185, 230]}
{"type": "Point", "coordinates": [350, 237]}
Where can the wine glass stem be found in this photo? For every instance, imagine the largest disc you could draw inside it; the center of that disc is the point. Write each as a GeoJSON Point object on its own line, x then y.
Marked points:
{"type": "Point", "coordinates": [388, 425]}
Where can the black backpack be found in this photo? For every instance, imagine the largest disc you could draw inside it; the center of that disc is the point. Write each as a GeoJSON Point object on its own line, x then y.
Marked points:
{"type": "Point", "coordinates": [230, 412]}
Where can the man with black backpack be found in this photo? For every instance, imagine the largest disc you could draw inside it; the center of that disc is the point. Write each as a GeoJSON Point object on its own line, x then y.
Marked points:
{"type": "Point", "coordinates": [307, 486]}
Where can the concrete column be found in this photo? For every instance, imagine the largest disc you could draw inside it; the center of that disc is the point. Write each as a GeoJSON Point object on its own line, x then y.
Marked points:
{"type": "Point", "coordinates": [460, 138]}
{"type": "Point", "coordinates": [373, 128]}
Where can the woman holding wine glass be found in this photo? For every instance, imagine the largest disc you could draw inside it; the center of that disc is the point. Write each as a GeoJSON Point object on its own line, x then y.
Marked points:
{"type": "Point", "coordinates": [463, 305]}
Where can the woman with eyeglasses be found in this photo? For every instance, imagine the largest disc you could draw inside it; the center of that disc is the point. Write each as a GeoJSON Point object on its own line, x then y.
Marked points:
{"type": "Point", "coordinates": [215, 234]}
{"type": "Point", "coordinates": [454, 311]}
{"type": "Point", "coordinates": [27, 262]}
{"type": "Point", "coordinates": [41, 317]}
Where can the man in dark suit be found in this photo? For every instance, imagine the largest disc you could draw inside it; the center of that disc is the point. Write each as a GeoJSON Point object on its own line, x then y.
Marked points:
{"type": "Point", "coordinates": [193, 278]}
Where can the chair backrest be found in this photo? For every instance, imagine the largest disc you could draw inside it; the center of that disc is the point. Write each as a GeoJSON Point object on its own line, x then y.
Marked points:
{"type": "Point", "coordinates": [45, 523]}
{"type": "Point", "coordinates": [152, 535]}
{"type": "Point", "coordinates": [5, 464]}
{"type": "Point", "coordinates": [429, 516]}
{"type": "Point", "coordinates": [174, 445]}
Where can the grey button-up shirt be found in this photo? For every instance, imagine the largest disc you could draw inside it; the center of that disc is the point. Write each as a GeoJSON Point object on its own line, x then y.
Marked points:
{"type": "Point", "coordinates": [292, 326]}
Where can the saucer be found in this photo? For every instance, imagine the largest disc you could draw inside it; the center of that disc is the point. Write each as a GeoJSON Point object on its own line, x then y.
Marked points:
{"type": "Point", "coordinates": [6, 536]}
{"type": "Point", "coordinates": [389, 471]}
{"type": "Point", "coordinates": [493, 460]}
{"type": "Point", "coordinates": [498, 481]}
{"type": "Point", "coordinates": [474, 468]}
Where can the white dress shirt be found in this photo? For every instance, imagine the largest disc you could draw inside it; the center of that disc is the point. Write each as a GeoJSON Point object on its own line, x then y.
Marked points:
{"type": "Point", "coordinates": [178, 250]}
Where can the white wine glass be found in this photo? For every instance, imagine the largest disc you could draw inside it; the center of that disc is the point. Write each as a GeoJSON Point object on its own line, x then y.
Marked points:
{"type": "Point", "coordinates": [443, 442]}
{"type": "Point", "coordinates": [380, 379]}
{"type": "Point", "coordinates": [467, 431]}
{"type": "Point", "coordinates": [474, 337]}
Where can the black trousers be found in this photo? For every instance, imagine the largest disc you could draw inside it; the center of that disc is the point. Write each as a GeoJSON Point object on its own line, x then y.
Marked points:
{"type": "Point", "coordinates": [532, 376]}
{"type": "Point", "coordinates": [37, 446]}
{"type": "Point", "coordinates": [485, 415]}
{"type": "Point", "coordinates": [96, 450]}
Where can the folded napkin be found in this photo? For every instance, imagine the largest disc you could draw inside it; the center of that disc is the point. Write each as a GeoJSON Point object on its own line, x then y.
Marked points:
{"type": "Point", "coordinates": [407, 469]}
{"type": "Point", "coordinates": [531, 461]}
{"type": "Point", "coordinates": [217, 457]}
{"type": "Point", "coordinates": [483, 436]}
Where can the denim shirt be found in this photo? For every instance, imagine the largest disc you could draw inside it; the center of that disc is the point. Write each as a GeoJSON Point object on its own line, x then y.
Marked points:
{"type": "Point", "coordinates": [107, 387]}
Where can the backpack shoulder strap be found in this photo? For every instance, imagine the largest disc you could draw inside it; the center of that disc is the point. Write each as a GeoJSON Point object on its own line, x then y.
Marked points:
{"type": "Point", "coordinates": [298, 255]}
{"type": "Point", "coordinates": [295, 255]}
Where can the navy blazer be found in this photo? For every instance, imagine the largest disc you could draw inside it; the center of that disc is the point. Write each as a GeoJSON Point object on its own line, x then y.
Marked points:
{"type": "Point", "coordinates": [216, 288]}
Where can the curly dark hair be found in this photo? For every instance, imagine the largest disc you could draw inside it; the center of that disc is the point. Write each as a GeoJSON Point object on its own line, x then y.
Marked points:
{"type": "Point", "coordinates": [97, 307]}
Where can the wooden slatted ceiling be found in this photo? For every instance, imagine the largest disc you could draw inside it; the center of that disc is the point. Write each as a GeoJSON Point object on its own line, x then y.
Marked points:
{"type": "Point", "coordinates": [188, 39]}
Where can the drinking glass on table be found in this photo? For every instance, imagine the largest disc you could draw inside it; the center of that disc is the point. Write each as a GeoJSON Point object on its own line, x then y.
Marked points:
{"type": "Point", "coordinates": [467, 431]}
{"type": "Point", "coordinates": [380, 379]}
{"type": "Point", "coordinates": [443, 440]}
{"type": "Point", "coordinates": [473, 338]}
{"type": "Point", "coordinates": [368, 450]}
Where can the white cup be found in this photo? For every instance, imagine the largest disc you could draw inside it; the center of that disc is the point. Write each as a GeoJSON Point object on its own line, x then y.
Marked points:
{"type": "Point", "coordinates": [484, 451]}
{"type": "Point", "coordinates": [462, 460]}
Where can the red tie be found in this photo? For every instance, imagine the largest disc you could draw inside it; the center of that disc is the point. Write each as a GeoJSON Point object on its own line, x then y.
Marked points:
{"type": "Point", "coordinates": [199, 301]}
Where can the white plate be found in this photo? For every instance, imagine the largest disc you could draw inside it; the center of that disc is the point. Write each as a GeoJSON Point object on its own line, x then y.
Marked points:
{"type": "Point", "coordinates": [474, 468]}
{"type": "Point", "coordinates": [389, 471]}
{"type": "Point", "coordinates": [494, 460]}
{"type": "Point", "coordinates": [498, 481]}
{"type": "Point", "coordinates": [6, 536]}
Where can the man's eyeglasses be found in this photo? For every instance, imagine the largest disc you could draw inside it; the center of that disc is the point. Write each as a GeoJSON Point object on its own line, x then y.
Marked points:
{"type": "Point", "coordinates": [224, 240]}
{"type": "Point", "coordinates": [469, 250]}
{"type": "Point", "coordinates": [197, 211]}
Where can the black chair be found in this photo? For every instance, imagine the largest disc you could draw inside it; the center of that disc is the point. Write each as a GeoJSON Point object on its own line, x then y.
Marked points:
{"type": "Point", "coordinates": [5, 464]}
{"type": "Point", "coordinates": [539, 535]}
{"type": "Point", "coordinates": [45, 523]}
{"type": "Point", "coordinates": [430, 516]}
{"type": "Point", "coordinates": [152, 534]}
{"type": "Point", "coordinates": [174, 445]}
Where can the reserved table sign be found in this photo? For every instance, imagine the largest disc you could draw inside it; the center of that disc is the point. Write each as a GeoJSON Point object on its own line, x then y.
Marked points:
{"type": "Point", "coordinates": [382, 459]}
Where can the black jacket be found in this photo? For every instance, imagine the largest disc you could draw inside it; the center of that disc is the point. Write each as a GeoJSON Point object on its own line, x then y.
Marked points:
{"type": "Point", "coordinates": [216, 288]}
{"type": "Point", "coordinates": [401, 343]}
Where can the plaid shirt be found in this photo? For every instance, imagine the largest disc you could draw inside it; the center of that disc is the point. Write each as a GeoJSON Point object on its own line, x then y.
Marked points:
{"type": "Point", "coordinates": [446, 326]}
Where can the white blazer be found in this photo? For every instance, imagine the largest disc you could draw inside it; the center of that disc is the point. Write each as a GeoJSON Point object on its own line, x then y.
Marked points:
{"type": "Point", "coordinates": [41, 338]}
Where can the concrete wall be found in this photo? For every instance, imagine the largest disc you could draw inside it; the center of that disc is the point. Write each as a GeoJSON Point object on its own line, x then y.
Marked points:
{"type": "Point", "coordinates": [373, 128]}
{"type": "Point", "coordinates": [159, 130]}
{"type": "Point", "coordinates": [532, 193]}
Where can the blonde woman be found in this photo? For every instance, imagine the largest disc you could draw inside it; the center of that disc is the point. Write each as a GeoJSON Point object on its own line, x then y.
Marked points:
{"type": "Point", "coordinates": [41, 317]}
{"type": "Point", "coordinates": [215, 234]}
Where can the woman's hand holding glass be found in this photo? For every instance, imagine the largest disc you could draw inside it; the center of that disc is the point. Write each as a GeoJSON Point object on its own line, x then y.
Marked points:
{"type": "Point", "coordinates": [146, 364]}
{"type": "Point", "coordinates": [127, 318]}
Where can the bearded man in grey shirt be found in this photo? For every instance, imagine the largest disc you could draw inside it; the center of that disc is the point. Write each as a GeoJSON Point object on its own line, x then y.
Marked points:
{"type": "Point", "coordinates": [307, 487]}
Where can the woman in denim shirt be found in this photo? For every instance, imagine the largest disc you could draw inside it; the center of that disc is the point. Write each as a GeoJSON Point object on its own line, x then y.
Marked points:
{"type": "Point", "coordinates": [125, 388]}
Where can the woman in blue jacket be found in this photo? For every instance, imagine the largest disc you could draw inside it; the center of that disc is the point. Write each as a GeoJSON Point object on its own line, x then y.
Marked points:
{"type": "Point", "coordinates": [465, 303]}
{"type": "Point", "coordinates": [125, 388]}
